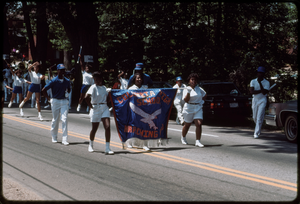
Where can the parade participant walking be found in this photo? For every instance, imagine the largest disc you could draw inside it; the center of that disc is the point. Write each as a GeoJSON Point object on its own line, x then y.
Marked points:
{"type": "Point", "coordinates": [259, 88]}
{"type": "Point", "coordinates": [123, 81]}
{"type": "Point", "coordinates": [35, 86]}
{"type": "Point", "coordinates": [178, 101]}
{"type": "Point", "coordinates": [194, 96]}
{"type": "Point", "coordinates": [146, 78]}
{"type": "Point", "coordinates": [60, 87]}
{"type": "Point", "coordinates": [97, 98]}
{"type": "Point", "coordinates": [138, 84]}
{"type": "Point", "coordinates": [18, 84]}
{"type": "Point", "coordinates": [87, 81]}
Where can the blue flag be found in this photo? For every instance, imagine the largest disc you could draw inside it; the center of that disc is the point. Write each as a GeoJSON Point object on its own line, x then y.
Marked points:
{"type": "Point", "coordinates": [142, 113]}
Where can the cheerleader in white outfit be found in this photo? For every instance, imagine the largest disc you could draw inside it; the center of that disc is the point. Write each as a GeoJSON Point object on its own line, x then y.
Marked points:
{"type": "Point", "coordinates": [96, 98]}
{"type": "Point", "coordinates": [87, 81]}
{"type": "Point", "coordinates": [18, 84]}
{"type": "Point", "coordinates": [35, 86]}
{"type": "Point", "coordinates": [194, 97]}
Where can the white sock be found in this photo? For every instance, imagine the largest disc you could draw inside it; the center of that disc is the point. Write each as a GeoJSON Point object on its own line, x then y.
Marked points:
{"type": "Point", "coordinates": [107, 145]}
{"type": "Point", "coordinates": [91, 143]}
{"type": "Point", "coordinates": [40, 114]}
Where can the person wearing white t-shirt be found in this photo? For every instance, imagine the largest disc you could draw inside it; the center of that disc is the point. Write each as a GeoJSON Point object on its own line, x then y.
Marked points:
{"type": "Point", "coordinates": [96, 98]}
{"type": "Point", "coordinates": [123, 81]}
{"type": "Point", "coordinates": [194, 97]}
{"type": "Point", "coordinates": [35, 87]}
{"type": "Point", "coordinates": [87, 81]}
{"type": "Point", "coordinates": [259, 88]}
{"type": "Point", "coordinates": [178, 101]}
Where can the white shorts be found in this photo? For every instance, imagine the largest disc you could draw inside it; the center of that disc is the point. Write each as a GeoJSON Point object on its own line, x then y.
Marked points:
{"type": "Point", "coordinates": [192, 112]}
{"type": "Point", "coordinates": [98, 112]}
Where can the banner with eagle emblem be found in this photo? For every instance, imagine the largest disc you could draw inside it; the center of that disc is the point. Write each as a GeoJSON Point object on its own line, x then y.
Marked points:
{"type": "Point", "coordinates": [142, 114]}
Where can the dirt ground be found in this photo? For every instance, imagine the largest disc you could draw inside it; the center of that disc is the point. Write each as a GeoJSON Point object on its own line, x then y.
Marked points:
{"type": "Point", "coordinates": [15, 191]}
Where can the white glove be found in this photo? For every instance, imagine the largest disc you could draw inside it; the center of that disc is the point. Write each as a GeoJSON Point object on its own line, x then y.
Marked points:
{"type": "Point", "coordinates": [50, 101]}
{"type": "Point", "coordinates": [108, 90]}
{"type": "Point", "coordinates": [67, 94]}
{"type": "Point", "coordinates": [189, 89]}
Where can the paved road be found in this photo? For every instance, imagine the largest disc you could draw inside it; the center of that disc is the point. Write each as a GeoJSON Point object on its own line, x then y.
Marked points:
{"type": "Point", "coordinates": [231, 167]}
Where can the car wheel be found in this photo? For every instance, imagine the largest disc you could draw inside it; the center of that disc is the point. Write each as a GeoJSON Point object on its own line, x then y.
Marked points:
{"type": "Point", "coordinates": [291, 128]}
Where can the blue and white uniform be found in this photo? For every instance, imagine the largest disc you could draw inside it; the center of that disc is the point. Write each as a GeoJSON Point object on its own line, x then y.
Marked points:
{"type": "Point", "coordinates": [35, 82]}
{"type": "Point", "coordinates": [59, 106]}
{"type": "Point", "coordinates": [259, 102]}
{"type": "Point", "coordinates": [18, 84]}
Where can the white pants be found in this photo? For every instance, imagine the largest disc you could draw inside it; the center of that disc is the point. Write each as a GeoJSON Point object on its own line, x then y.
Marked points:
{"type": "Point", "coordinates": [179, 107]}
{"type": "Point", "coordinates": [59, 108]}
{"type": "Point", "coordinates": [258, 110]}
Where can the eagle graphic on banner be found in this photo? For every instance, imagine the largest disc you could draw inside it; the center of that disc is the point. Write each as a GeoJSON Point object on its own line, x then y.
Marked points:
{"type": "Point", "coordinates": [147, 118]}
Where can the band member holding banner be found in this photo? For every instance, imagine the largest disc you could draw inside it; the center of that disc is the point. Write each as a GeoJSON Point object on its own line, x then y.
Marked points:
{"type": "Point", "coordinates": [60, 87]}
{"type": "Point", "coordinates": [96, 98]}
{"type": "Point", "coordinates": [35, 86]}
{"type": "Point", "coordinates": [194, 96]}
{"type": "Point", "coordinates": [146, 78]}
{"type": "Point", "coordinates": [87, 81]}
{"type": "Point", "coordinates": [259, 88]}
{"type": "Point", "coordinates": [178, 101]}
{"type": "Point", "coordinates": [138, 84]}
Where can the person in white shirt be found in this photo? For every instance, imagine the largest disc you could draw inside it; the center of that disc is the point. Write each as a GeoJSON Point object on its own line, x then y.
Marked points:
{"type": "Point", "coordinates": [18, 84]}
{"type": "Point", "coordinates": [35, 87]}
{"type": "Point", "coordinates": [194, 97]}
{"type": "Point", "coordinates": [96, 98]}
{"type": "Point", "coordinates": [138, 84]}
{"type": "Point", "coordinates": [87, 81]}
{"type": "Point", "coordinates": [123, 81]}
{"type": "Point", "coordinates": [178, 101]}
{"type": "Point", "coordinates": [259, 88]}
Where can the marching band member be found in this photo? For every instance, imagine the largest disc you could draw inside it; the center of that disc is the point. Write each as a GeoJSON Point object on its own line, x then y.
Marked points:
{"type": "Point", "coordinates": [178, 101]}
{"type": "Point", "coordinates": [35, 86]}
{"type": "Point", "coordinates": [96, 98]}
{"type": "Point", "coordinates": [137, 80]}
{"type": "Point", "coordinates": [60, 87]}
{"type": "Point", "coordinates": [87, 81]}
{"type": "Point", "coordinates": [194, 96]}
{"type": "Point", "coordinates": [259, 88]}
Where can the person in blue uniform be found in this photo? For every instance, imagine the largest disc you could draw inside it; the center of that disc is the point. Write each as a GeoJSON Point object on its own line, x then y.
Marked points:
{"type": "Point", "coordinates": [60, 87]}
{"type": "Point", "coordinates": [146, 78]}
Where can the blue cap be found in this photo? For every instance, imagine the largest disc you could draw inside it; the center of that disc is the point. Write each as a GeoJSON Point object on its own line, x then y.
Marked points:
{"type": "Point", "coordinates": [261, 69]}
{"type": "Point", "coordinates": [139, 66]}
{"type": "Point", "coordinates": [60, 66]}
{"type": "Point", "coordinates": [178, 78]}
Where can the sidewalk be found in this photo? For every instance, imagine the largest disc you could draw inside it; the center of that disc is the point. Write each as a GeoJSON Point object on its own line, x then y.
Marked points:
{"type": "Point", "coordinates": [14, 191]}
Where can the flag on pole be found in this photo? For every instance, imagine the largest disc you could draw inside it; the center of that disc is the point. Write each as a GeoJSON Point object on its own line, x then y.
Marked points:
{"type": "Point", "coordinates": [142, 113]}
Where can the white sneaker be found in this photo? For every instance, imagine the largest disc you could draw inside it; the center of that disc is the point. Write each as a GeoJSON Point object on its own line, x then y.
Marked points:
{"type": "Point", "coordinates": [146, 148]}
{"type": "Point", "coordinates": [255, 136]}
{"type": "Point", "coordinates": [21, 104]}
{"type": "Point", "coordinates": [91, 148]}
{"type": "Point", "coordinates": [21, 112]}
{"type": "Point", "coordinates": [10, 104]}
{"type": "Point", "coordinates": [78, 108]}
{"type": "Point", "coordinates": [54, 140]}
{"type": "Point", "coordinates": [108, 151]}
{"type": "Point", "coordinates": [198, 144]}
{"type": "Point", "coordinates": [40, 117]}
{"type": "Point", "coordinates": [64, 142]}
{"type": "Point", "coordinates": [183, 140]}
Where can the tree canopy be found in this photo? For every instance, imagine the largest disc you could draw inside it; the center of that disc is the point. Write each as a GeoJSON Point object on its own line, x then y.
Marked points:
{"type": "Point", "coordinates": [218, 40]}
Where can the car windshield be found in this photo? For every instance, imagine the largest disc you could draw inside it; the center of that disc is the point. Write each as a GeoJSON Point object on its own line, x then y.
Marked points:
{"type": "Point", "coordinates": [220, 89]}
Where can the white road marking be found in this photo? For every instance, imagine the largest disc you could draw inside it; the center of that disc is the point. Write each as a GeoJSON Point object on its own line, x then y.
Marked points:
{"type": "Point", "coordinates": [193, 132]}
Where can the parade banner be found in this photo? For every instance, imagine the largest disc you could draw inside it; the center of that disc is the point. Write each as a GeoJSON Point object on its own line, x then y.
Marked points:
{"type": "Point", "coordinates": [142, 113]}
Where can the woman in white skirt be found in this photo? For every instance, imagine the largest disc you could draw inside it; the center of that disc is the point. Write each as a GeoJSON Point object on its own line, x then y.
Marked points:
{"type": "Point", "coordinates": [194, 97]}
{"type": "Point", "coordinates": [138, 84]}
{"type": "Point", "coordinates": [35, 86]}
{"type": "Point", "coordinates": [96, 98]}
